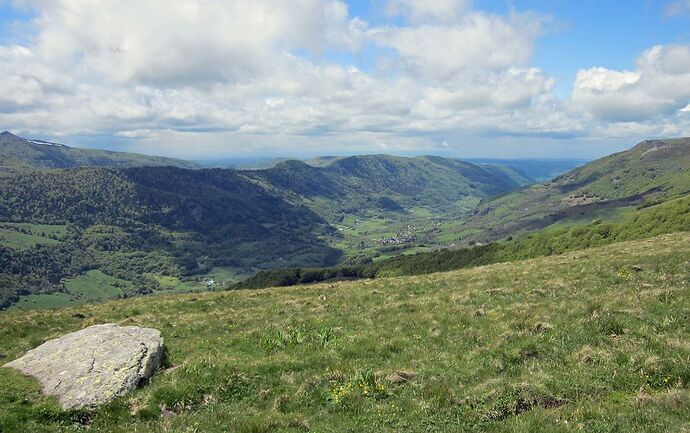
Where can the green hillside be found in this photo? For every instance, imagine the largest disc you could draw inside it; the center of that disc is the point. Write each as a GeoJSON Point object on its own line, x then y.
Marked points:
{"type": "Point", "coordinates": [172, 229]}
{"type": "Point", "coordinates": [591, 341]}
{"type": "Point", "coordinates": [360, 183]}
{"type": "Point", "coordinates": [667, 217]}
{"type": "Point", "coordinates": [139, 224]}
{"type": "Point", "coordinates": [384, 204]}
{"type": "Point", "coordinates": [650, 172]}
{"type": "Point", "coordinates": [19, 154]}
{"type": "Point", "coordinates": [145, 225]}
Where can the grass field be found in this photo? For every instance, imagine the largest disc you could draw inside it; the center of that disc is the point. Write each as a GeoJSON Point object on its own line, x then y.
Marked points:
{"type": "Point", "coordinates": [18, 240]}
{"type": "Point", "coordinates": [595, 341]}
{"type": "Point", "coordinates": [96, 286]}
{"type": "Point", "coordinates": [55, 230]}
{"type": "Point", "coordinates": [220, 275]}
{"type": "Point", "coordinates": [618, 214]}
{"type": "Point", "coordinates": [92, 286]}
{"type": "Point", "coordinates": [25, 235]}
{"type": "Point", "coordinates": [403, 251]}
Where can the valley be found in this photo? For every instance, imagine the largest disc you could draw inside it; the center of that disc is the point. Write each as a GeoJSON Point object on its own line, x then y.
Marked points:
{"type": "Point", "coordinates": [171, 228]}
{"type": "Point", "coordinates": [168, 229]}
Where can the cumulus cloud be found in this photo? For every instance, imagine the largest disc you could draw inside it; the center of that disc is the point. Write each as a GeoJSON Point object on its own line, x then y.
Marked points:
{"type": "Point", "coordinates": [278, 75]}
{"type": "Point", "coordinates": [660, 86]}
{"type": "Point", "coordinates": [187, 41]}
{"type": "Point", "coordinates": [474, 42]}
{"type": "Point", "coordinates": [151, 70]}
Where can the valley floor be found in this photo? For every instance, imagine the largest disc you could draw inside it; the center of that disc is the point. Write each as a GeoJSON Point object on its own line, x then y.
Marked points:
{"type": "Point", "coordinates": [595, 340]}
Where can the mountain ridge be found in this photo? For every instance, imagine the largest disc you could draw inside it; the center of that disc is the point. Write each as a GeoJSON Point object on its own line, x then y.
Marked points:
{"type": "Point", "coordinates": [19, 154]}
{"type": "Point", "coordinates": [651, 171]}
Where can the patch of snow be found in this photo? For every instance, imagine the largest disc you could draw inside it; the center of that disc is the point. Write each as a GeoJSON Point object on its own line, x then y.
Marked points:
{"type": "Point", "coordinates": [45, 143]}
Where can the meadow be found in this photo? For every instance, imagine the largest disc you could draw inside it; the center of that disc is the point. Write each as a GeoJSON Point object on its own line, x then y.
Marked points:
{"type": "Point", "coordinates": [594, 340]}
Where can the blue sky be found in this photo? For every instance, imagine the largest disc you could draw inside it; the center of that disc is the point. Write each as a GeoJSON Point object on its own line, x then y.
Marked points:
{"type": "Point", "coordinates": [246, 78]}
{"type": "Point", "coordinates": [584, 33]}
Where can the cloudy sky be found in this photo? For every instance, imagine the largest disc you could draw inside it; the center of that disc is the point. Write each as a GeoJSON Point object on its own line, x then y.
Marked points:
{"type": "Point", "coordinates": [243, 78]}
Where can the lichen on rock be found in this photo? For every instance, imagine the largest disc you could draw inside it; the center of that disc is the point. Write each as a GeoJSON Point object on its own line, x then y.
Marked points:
{"type": "Point", "coordinates": [91, 367]}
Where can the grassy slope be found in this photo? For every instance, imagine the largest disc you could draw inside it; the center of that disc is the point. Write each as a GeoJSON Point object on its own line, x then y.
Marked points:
{"type": "Point", "coordinates": [92, 286]}
{"type": "Point", "coordinates": [593, 341]}
{"type": "Point", "coordinates": [26, 235]}
{"type": "Point", "coordinates": [654, 169]}
{"type": "Point", "coordinates": [18, 155]}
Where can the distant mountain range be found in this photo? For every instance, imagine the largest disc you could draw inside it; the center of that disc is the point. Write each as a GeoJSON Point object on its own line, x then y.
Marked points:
{"type": "Point", "coordinates": [357, 184]}
{"type": "Point", "coordinates": [147, 220]}
{"type": "Point", "coordinates": [20, 154]}
{"type": "Point", "coordinates": [137, 218]}
{"type": "Point", "coordinates": [537, 170]}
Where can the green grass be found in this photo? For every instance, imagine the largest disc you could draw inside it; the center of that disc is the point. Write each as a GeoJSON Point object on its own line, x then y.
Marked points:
{"type": "Point", "coordinates": [23, 236]}
{"type": "Point", "coordinates": [229, 275]}
{"type": "Point", "coordinates": [92, 286]}
{"type": "Point", "coordinates": [593, 340]}
{"type": "Point", "coordinates": [17, 240]}
{"type": "Point", "coordinates": [403, 251]}
{"type": "Point", "coordinates": [44, 301]}
{"type": "Point", "coordinates": [57, 230]}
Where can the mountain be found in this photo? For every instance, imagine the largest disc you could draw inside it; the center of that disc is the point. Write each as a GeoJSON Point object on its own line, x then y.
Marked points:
{"type": "Point", "coordinates": [530, 170]}
{"type": "Point", "coordinates": [390, 183]}
{"type": "Point", "coordinates": [145, 225]}
{"type": "Point", "coordinates": [650, 172]}
{"type": "Point", "coordinates": [384, 205]}
{"type": "Point", "coordinates": [467, 169]}
{"type": "Point", "coordinates": [139, 224]}
{"type": "Point", "coordinates": [19, 154]}
{"type": "Point", "coordinates": [152, 228]}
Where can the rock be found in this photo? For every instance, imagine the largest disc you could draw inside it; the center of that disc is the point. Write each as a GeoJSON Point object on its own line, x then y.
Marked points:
{"type": "Point", "coordinates": [401, 377]}
{"type": "Point", "coordinates": [90, 367]}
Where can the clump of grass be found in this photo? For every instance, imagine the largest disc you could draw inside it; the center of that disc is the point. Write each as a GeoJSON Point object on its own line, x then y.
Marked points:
{"type": "Point", "coordinates": [519, 400]}
{"type": "Point", "coordinates": [289, 336]}
{"type": "Point", "coordinates": [364, 383]}
{"type": "Point", "coordinates": [282, 338]}
{"type": "Point", "coordinates": [324, 335]}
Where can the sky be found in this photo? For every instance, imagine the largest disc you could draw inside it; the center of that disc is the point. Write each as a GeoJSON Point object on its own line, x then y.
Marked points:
{"type": "Point", "coordinates": [204, 79]}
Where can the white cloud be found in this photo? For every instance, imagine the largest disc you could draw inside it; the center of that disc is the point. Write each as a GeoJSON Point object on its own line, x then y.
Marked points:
{"type": "Point", "coordinates": [659, 87]}
{"type": "Point", "coordinates": [474, 42]}
{"type": "Point", "coordinates": [187, 41]}
{"type": "Point", "coordinates": [154, 69]}
{"type": "Point", "coordinates": [254, 75]}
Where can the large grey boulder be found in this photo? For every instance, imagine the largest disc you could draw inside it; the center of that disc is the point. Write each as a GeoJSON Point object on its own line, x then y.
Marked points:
{"type": "Point", "coordinates": [93, 366]}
